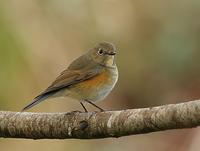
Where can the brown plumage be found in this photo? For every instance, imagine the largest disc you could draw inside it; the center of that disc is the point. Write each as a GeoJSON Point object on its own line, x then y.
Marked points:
{"type": "Point", "coordinates": [89, 78]}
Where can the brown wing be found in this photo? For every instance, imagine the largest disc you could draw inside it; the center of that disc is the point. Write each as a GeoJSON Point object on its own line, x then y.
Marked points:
{"type": "Point", "coordinates": [67, 78]}
{"type": "Point", "coordinates": [70, 77]}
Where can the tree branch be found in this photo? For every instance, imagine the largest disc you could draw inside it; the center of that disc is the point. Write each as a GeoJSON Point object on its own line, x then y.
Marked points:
{"type": "Point", "coordinates": [95, 125]}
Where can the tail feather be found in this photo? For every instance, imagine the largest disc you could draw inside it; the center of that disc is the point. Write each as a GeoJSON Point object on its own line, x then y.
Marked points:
{"type": "Point", "coordinates": [37, 100]}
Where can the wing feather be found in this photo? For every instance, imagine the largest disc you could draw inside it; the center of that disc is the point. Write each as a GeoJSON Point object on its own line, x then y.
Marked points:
{"type": "Point", "coordinates": [75, 73]}
{"type": "Point", "coordinates": [70, 77]}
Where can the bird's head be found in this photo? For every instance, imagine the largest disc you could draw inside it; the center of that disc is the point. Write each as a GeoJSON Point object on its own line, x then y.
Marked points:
{"type": "Point", "coordinates": [104, 54]}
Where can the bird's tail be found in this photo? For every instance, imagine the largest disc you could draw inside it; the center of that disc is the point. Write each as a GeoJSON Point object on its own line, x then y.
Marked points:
{"type": "Point", "coordinates": [37, 100]}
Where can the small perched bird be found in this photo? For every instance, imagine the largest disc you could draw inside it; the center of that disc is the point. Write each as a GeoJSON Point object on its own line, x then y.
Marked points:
{"type": "Point", "coordinates": [89, 78]}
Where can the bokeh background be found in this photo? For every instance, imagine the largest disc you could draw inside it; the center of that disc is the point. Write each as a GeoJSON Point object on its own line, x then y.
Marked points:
{"type": "Point", "coordinates": [158, 46]}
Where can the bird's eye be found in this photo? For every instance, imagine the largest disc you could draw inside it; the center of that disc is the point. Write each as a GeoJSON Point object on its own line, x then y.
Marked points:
{"type": "Point", "coordinates": [100, 51]}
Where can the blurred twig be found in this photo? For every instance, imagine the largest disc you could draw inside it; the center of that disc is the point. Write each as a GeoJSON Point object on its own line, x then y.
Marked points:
{"type": "Point", "coordinates": [95, 125]}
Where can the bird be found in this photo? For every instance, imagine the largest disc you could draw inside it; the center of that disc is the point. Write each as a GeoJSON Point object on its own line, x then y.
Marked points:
{"type": "Point", "coordinates": [89, 78]}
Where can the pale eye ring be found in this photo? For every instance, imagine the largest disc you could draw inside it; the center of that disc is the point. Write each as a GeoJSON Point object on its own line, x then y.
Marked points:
{"type": "Point", "coordinates": [100, 51]}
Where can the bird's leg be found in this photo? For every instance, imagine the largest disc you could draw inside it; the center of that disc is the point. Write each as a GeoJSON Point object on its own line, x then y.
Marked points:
{"type": "Point", "coordinates": [83, 107]}
{"type": "Point", "coordinates": [95, 105]}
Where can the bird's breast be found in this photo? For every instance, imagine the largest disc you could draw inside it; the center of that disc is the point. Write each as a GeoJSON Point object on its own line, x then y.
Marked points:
{"type": "Point", "coordinates": [97, 87]}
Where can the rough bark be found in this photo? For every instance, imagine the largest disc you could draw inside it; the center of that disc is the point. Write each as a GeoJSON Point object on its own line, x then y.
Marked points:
{"type": "Point", "coordinates": [95, 125]}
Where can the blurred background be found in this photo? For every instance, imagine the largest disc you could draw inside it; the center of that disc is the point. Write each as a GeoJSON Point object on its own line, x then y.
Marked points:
{"type": "Point", "coordinates": [157, 55]}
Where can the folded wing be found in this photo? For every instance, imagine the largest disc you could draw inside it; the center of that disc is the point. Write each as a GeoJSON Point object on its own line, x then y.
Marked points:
{"type": "Point", "coordinates": [66, 78]}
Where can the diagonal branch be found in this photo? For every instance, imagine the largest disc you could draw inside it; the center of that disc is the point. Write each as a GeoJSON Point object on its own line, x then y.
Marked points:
{"type": "Point", "coordinates": [95, 125]}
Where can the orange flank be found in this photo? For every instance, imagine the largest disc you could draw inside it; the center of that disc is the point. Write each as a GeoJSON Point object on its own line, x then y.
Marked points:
{"type": "Point", "coordinates": [99, 80]}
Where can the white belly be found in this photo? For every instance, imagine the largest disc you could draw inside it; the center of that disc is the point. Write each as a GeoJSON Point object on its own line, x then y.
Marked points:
{"type": "Point", "coordinates": [105, 89]}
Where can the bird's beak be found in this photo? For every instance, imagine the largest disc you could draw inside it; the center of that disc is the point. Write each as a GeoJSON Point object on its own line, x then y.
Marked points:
{"type": "Point", "coordinates": [111, 53]}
